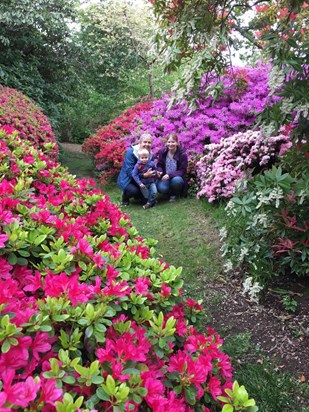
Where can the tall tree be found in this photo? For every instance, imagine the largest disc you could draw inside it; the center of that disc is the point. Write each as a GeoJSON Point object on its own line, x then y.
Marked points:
{"type": "Point", "coordinates": [36, 51]}
{"type": "Point", "coordinates": [118, 36]}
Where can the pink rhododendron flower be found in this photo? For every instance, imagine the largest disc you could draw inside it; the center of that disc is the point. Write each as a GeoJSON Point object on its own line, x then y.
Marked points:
{"type": "Point", "coordinates": [62, 284]}
{"type": "Point", "coordinates": [82, 247]}
{"type": "Point", "coordinates": [3, 239]}
{"type": "Point", "coordinates": [5, 269]}
{"type": "Point", "coordinates": [33, 282]}
{"type": "Point", "coordinates": [165, 290]}
{"type": "Point", "coordinates": [99, 260]}
{"type": "Point", "coordinates": [6, 187]}
{"type": "Point", "coordinates": [141, 286]}
{"type": "Point", "coordinates": [117, 289]}
{"type": "Point", "coordinates": [17, 357]}
{"type": "Point", "coordinates": [40, 344]}
{"type": "Point", "coordinates": [7, 128]}
{"type": "Point", "coordinates": [214, 386]}
{"type": "Point", "coordinates": [50, 393]}
{"type": "Point", "coordinates": [22, 393]}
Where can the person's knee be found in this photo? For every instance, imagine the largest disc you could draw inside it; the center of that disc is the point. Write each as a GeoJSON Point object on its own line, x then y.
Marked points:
{"type": "Point", "coordinates": [132, 191]}
{"type": "Point", "coordinates": [177, 182]}
{"type": "Point", "coordinates": [163, 187]}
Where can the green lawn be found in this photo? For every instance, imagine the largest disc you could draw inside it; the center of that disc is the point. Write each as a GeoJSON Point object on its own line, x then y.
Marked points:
{"type": "Point", "coordinates": [187, 236]}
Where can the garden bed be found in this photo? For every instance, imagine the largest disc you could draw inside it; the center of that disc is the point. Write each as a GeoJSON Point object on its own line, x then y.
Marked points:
{"type": "Point", "coordinates": [276, 333]}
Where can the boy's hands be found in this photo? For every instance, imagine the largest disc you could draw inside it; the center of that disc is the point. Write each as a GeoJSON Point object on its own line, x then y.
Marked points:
{"type": "Point", "coordinates": [142, 186]}
{"type": "Point", "coordinates": [149, 173]}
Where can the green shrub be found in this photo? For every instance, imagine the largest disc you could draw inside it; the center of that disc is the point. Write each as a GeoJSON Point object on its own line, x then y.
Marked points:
{"type": "Point", "coordinates": [267, 226]}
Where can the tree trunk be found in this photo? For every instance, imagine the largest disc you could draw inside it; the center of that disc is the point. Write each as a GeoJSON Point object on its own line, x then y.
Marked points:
{"type": "Point", "coordinates": [150, 81]}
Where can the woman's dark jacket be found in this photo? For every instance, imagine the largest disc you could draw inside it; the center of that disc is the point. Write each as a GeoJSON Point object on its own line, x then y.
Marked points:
{"type": "Point", "coordinates": [181, 160]}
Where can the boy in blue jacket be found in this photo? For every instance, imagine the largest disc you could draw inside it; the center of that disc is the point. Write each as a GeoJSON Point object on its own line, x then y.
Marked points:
{"type": "Point", "coordinates": [147, 185]}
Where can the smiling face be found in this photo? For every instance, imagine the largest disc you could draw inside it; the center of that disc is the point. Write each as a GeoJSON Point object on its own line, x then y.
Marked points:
{"type": "Point", "coordinates": [146, 143]}
{"type": "Point", "coordinates": [172, 143]}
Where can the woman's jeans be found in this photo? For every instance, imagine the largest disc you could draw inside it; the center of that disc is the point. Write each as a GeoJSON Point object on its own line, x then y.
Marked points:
{"type": "Point", "coordinates": [173, 187]}
{"type": "Point", "coordinates": [132, 190]}
{"type": "Point", "coordinates": [150, 193]}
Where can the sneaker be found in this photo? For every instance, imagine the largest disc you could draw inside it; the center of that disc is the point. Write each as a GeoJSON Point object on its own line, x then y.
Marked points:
{"type": "Point", "coordinates": [172, 199]}
{"type": "Point", "coordinates": [147, 206]}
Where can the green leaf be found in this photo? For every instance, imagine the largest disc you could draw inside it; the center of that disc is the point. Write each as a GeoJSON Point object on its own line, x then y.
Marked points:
{"type": "Point", "coordinates": [5, 346]}
{"type": "Point", "coordinates": [110, 384]}
{"type": "Point", "coordinates": [97, 380]}
{"type": "Point", "coordinates": [40, 239]}
{"type": "Point", "coordinates": [12, 259]}
{"type": "Point", "coordinates": [68, 379]}
{"type": "Point", "coordinates": [190, 395]}
{"type": "Point", "coordinates": [23, 253]}
{"type": "Point", "coordinates": [22, 261]}
{"type": "Point", "coordinates": [142, 391]}
{"type": "Point", "coordinates": [227, 408]}
{"type": "Point", "coordinates": [101, 394]}
{"type": "Point", "coordinates": [45, 328]}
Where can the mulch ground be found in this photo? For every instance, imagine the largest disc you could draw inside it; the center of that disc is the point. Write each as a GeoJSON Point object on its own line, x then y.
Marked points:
{"type": "Point", "coordinates": [280, 335]}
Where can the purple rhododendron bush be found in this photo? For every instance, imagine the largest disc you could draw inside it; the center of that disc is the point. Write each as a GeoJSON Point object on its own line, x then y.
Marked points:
{"type": "Point", "coordinates": [20, 112]}
{"type": "Point", "coordinates": [244, 94]}
{"type": "Point", "coordinates": [89, 319]}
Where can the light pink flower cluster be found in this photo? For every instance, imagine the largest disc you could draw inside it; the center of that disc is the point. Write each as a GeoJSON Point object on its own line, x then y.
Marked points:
{"type": "Point", "coordinates": [229, 161]}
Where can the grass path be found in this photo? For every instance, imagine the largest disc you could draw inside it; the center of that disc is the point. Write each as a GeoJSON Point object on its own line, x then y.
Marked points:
{"type": "Point", "coordinates": [186, 236]}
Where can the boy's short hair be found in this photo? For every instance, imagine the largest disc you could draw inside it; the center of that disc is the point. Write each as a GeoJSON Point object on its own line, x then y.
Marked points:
{"type": "Point", "coordinates": [142, 152]}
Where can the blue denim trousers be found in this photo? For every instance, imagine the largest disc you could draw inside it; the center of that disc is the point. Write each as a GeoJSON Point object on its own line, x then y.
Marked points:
{"type": "Point", "coordinates": [173, 187]}
{"type": "Point", "coordinates": [150, 193]}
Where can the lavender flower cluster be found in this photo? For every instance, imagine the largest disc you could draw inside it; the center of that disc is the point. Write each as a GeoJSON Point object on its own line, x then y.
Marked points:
{"type": "Point", "coordinates": [245, 94]}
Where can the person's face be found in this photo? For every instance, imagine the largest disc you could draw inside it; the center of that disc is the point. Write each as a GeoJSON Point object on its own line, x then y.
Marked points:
{"type": "Point", "coordinates": [171, 144]}
{"type": "Point", "coordinates": [146, 143]}
{"type": "Point", "coordinates": [144, 158]}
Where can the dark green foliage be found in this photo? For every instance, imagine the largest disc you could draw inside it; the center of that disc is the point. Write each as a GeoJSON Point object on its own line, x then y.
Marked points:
{"type": "Point", "coordinates": [36, 51]}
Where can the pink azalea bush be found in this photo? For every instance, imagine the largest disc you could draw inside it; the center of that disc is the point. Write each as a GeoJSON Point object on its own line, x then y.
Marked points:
{"type": "Point", "coordinates": [22, 114]}
{"type": "Point", "coordinates": [89, 319]}
{"type": "Point", "coordinates": [231, 160]}
{"type": "Point", "coordinates": [244, 94]}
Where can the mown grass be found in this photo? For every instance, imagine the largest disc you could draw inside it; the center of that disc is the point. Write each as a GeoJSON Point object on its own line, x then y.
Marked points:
{"type": "Point", "coordinates": [187, 236]}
